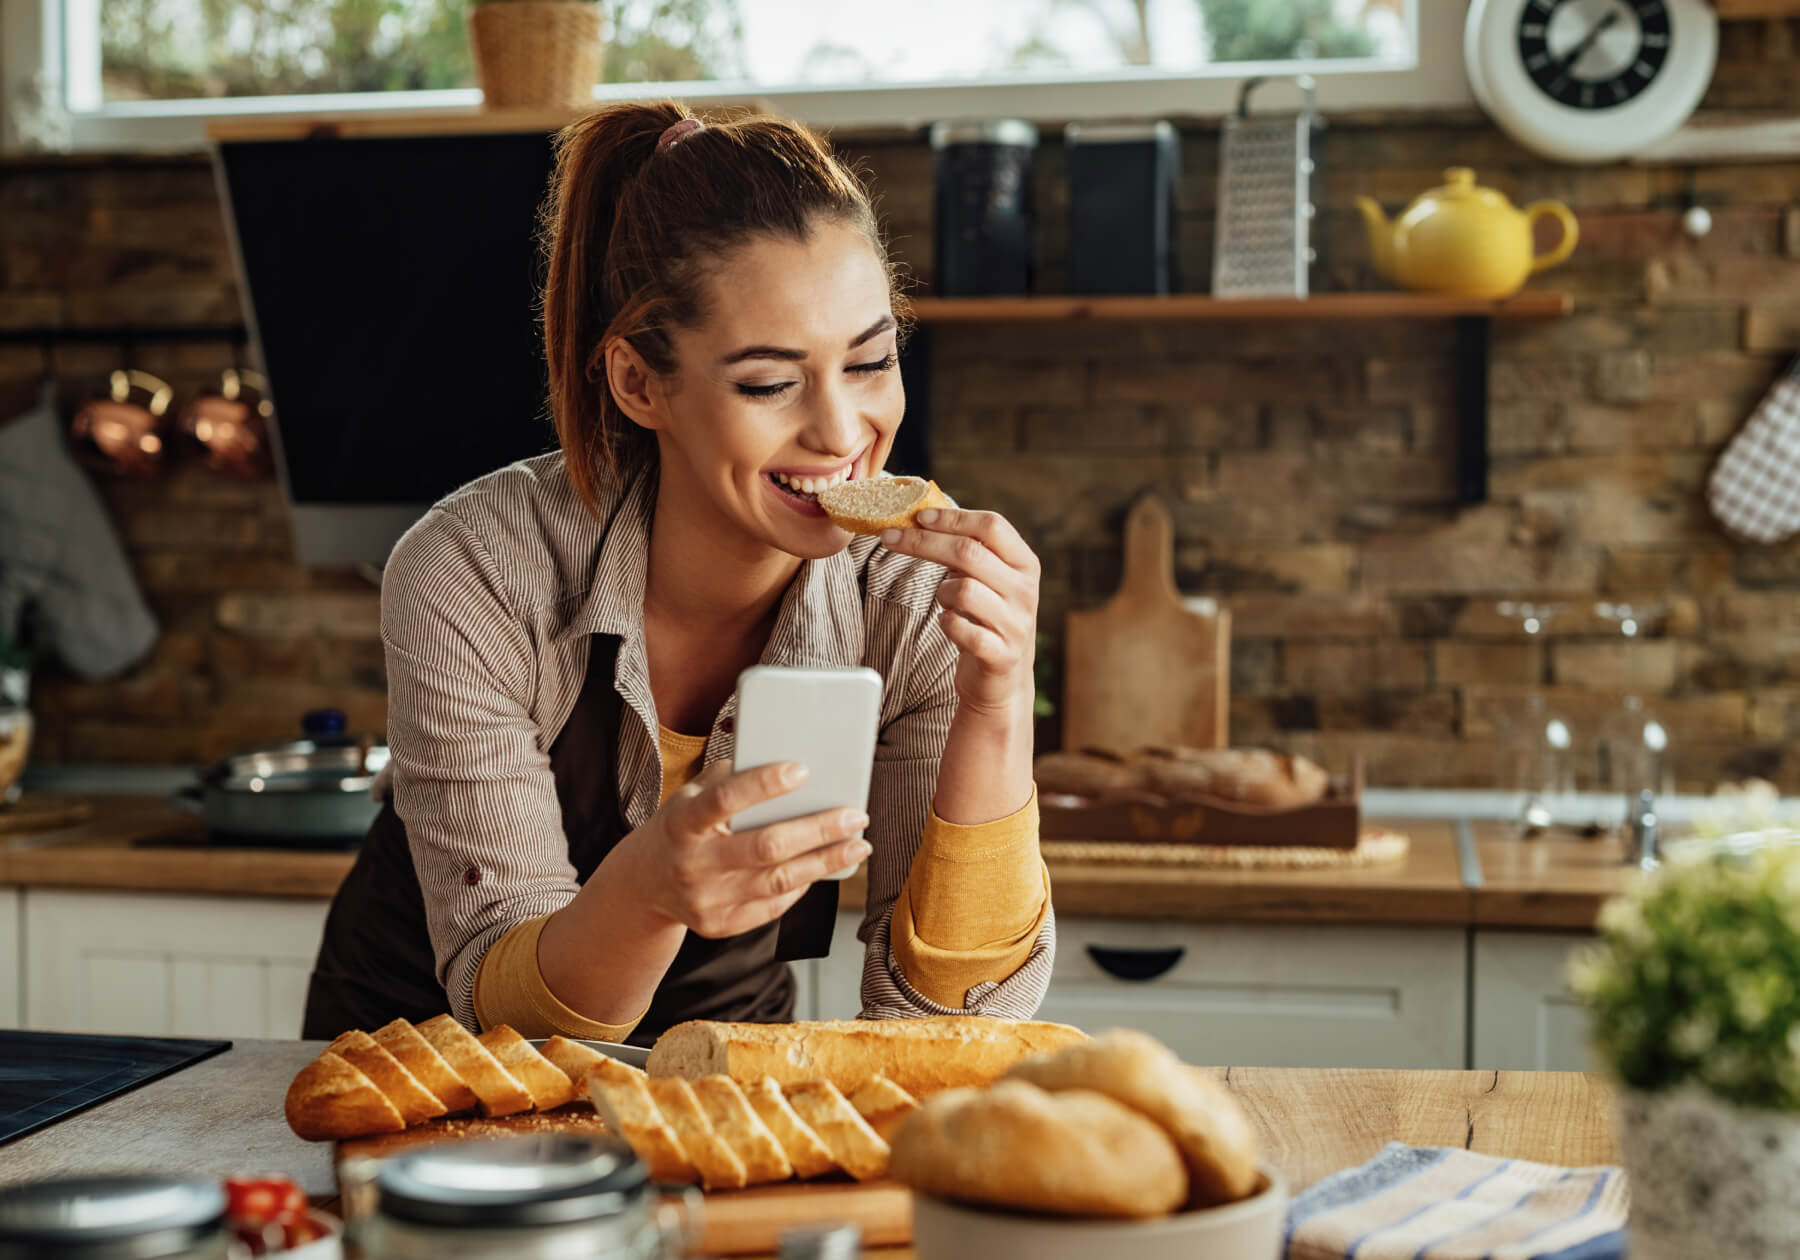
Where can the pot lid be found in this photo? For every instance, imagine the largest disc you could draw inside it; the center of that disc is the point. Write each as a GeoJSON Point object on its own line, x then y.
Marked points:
{"type": "Point", "coordinates": [325, 759]}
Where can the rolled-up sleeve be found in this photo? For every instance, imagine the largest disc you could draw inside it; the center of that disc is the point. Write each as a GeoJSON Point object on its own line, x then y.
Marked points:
{"type": "Point", "coordinates": [900, 793]}
{"type": "Point", "coordinates": [471, 780]}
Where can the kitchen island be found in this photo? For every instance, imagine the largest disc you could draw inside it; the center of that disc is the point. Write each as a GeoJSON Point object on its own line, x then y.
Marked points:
{"type": "Point", "coordinates": [224, 1115]}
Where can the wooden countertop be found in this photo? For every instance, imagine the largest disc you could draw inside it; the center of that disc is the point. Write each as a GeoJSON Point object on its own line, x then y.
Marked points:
{"type": "Point", "coordinates": [224, 1115]}
{"type": "Point", "coordinates": [1556, 882]}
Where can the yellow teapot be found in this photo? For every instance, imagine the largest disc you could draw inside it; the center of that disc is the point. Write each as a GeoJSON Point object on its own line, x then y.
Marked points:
{"type": "Point", "coordinates": [1463, 240]}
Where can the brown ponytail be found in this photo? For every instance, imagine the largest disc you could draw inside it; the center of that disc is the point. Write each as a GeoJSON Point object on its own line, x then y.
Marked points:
{"type": "Point", "coordinates": [628, 229]}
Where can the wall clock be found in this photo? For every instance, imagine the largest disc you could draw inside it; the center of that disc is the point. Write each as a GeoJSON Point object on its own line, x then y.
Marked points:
{"type": "Point", "coordinates": [1590, 80]}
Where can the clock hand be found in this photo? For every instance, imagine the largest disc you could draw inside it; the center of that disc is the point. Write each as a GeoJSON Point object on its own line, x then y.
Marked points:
{"type": "Point", "coordinates": [1580, 50]}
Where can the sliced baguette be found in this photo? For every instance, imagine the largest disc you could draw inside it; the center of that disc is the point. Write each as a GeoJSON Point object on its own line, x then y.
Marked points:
{"type": "Point", "coordinates": [740, 1128]}
{"type": "Point", "coordinates": [548, 1085]}
{"type": "Point", "coordinates": [574, 1060]}
{"type": "Point", "coordinates": [413, 1101]}
{"type": "Point", "coordinates": [332, 1098]}
{"type": "Point", "coordinates": [421, 1058]}
{"type": "Point", "coordinates": [496, 1089]}
{"type": "Point", "coordinates": [809, 1156]}
{"type": "Point", "coordinates": [872, 504]}
{"type": "Point", "coordinates": [720, 1168]}
{"type": "Point", "coordinates": [622, 1097]}
{"type": "Point", "coordinates": [883, 1104]}
{"type": "Point", "coordinates": [852, 1143]}
{"type": "Point", "coordinates": [921, 1056]}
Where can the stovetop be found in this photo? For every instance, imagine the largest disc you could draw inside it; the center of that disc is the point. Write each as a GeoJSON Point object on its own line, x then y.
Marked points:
{"type": "Point", "coordinates": [47, 1076]}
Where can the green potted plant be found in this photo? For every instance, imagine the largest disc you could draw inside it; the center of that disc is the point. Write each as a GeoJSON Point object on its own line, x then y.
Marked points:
{"type": "Point", "coordinates": [536, 53]}
{"type": "Point", "coordinates": [1694, 994]}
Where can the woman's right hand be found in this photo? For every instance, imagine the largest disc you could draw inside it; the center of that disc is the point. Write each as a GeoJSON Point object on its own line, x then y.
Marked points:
{"type": "Point", "coordinates": [717, 882]}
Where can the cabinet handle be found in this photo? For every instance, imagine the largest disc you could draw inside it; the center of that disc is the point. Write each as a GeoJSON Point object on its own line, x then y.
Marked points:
{"type": "Point", "coordinates": [1135, 964]}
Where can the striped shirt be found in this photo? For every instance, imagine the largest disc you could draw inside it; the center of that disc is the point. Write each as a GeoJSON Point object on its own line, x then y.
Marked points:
{"type": "Point", "coordinates": [486, 611]}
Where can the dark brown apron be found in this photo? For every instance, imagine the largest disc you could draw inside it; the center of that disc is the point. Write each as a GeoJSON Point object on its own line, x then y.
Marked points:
{"type": "Point", "coordinates": [376, 962]}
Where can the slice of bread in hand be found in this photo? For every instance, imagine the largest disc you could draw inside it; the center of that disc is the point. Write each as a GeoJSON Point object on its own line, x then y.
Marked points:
{"type": "Point", "coordinates": [720, 1168]}
{"type": "Point", "coordinates": [621, 1096]}
{"type": "Point", "coordinates": [809, 1156]}
{"type": "Point", "coordinates": [413, 1101]}
{"type": "Point", "coordinates": [873, 504]}
{"type": "Point", "coordinates": [496, 1089]}
{"type": "Point", "coordinates": [852, 1143]}
{"type": "Point", "coordinates": [548, 1085]}
{"type": "Point", "coordinates": [883, 1104]}
{"type": "Point", "coordinates": [331, 1098]}
{"type": "Point", "coordinates": [419, 1057]}
{"type": "Point", "coordinates": [740, 1128]}
{"type": "Point", "coordinates": [573, 1058]}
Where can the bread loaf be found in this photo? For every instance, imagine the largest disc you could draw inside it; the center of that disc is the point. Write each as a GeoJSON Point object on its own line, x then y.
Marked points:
{"type": "Point", "coordinates": [331, 1098]}
{"type": "Point", "coordinates": [1253, 776]}
{"type": "Point", "coordinates": [872, 504]}
{"type": "Point", "coordinates": [921, 1056]}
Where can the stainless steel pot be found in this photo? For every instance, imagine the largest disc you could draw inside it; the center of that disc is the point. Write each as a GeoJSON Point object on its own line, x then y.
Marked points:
{"type": "Point", "coordinates": [309, 792]}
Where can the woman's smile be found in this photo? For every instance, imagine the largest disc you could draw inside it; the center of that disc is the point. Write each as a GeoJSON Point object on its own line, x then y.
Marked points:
{"type": "Point", "coordinates": [798, 487]}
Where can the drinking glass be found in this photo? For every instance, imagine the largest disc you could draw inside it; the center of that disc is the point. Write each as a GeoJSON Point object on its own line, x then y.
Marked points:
{"type": "Point", "coordinates": [1537, 741]}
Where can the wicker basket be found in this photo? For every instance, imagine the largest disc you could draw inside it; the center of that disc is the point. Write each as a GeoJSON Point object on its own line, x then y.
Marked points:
{"type": "Point", "coordinates": [535, 53]}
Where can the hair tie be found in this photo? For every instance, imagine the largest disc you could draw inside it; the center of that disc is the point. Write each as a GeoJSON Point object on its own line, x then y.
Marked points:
{"type": "Point", "coordinates": [676, 132]}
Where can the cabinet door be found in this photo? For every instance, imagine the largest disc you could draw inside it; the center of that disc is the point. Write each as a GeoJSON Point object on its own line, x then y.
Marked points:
{"type": "Point", "coordinates": [168, 965]}
{"type": "Point", "coordinates": [1268, 995]}
{"type": "Point", "coordinates": [1525, 1017]}
{"type": "Point", "coordinates": [12, 959]}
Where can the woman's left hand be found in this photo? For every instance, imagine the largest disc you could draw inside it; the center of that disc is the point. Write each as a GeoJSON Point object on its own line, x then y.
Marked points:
{"type": "Point", "coordinates": [990, 601]}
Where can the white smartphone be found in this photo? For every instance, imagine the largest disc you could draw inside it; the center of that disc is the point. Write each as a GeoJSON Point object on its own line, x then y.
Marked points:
{"type": "Point", "coordinates": [825, 719]}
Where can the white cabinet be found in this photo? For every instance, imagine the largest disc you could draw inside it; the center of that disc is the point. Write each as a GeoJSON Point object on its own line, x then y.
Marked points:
{"type": "Point", "coordinates": [1525, 1018]}
{"type": "Point", "coordinates": [1268, 995]}
{"type": "Point", "coordinates": [168, 965]}
{"type": "Point", "coordinates": [12, 956]}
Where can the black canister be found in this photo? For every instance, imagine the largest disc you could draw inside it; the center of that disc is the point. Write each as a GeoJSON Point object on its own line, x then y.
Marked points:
{"type": "Point", "coordinates": [984, 222]}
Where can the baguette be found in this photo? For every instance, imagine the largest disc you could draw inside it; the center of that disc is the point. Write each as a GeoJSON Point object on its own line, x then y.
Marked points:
{"type": "Point", "coordinates": [548, 1085]}
{"type": "Point", "coordinates": [575, 1060]}
{"type": "Point", "coordinates": [883, 1104]}
{"type": "Point", "coordinates": [856, 1147]}
{"type": "Point", "coordinates": [332, 1098]}
{"type": "Point", "coordinates": [740, 1128]}
{"type": "Point", "coordinates": [622, 1097]}
{"type": "Point", "coordinates": [500, 1094]}
{"type": "Point", "coordinates": [413, 1101]}
{"type": "Point", "coordinates": [421, 1058]}
{"type": "Point", "coordinates": [720, 1168]}
{"type": "Point", "coordinates": [921, 1056]}
{"type": "Point", "coordinates": [809, 1156]}
{"type": "Point", "coordinates": [872, 504]}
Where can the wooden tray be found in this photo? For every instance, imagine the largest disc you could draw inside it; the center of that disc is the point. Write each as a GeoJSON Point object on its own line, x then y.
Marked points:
{"type": "Point", "coordinates": [732, 1222]}
{"type": "Point", "coordinates": [1333, 822]}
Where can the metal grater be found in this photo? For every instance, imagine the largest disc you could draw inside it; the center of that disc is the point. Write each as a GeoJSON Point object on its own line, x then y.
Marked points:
{"type": "Point", "coordinates": [1268, 181]}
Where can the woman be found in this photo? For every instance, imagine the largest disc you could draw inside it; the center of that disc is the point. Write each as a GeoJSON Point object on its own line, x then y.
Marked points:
{"type": "Point", "coordinates": [564, 638]}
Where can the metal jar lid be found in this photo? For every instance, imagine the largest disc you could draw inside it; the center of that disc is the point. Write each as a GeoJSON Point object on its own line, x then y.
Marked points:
{"type": "Point", "coordinates": [537, 1180]}
{"type": "Point", "coordinates": [109, 1218]}
{"type": "Point", "coordinates": [1013, 132]}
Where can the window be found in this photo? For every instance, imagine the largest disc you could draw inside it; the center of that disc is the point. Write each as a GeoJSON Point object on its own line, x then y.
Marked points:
{"type": "Point", "coordinates": [151, 68]}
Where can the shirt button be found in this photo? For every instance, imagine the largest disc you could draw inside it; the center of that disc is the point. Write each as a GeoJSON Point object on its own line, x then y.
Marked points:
{"type": "Point", "coordinates": [726, 723]}
{"type": "Point", "coordinates": [472, 876]}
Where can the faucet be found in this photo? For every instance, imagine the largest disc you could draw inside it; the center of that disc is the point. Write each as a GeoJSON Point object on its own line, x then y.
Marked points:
{"type": "Point", "coordinates": [1641, 849]}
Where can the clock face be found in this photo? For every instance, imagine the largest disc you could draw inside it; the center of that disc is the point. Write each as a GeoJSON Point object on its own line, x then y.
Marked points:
{"type": "Point", "coordinates": [1594, 54]}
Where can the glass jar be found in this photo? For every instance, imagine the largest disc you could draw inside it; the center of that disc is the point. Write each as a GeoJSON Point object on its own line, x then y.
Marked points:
{"type": "Point", "coordinates": [15, 726]}
{"type": "Point", "coordinates": [538, 1197]}
{"type": "Point", "coordinates": [115, 1218]}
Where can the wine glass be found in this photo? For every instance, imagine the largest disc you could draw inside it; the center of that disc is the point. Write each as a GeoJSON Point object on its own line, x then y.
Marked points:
{"type": "Point", "coordinates": [1635, 744]}
{"type": "Point", "coordinates": [1538, 742]}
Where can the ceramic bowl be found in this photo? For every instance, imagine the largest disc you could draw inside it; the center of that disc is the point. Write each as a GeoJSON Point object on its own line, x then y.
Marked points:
{"type": "Point", "coordinates": [1246, 1230]}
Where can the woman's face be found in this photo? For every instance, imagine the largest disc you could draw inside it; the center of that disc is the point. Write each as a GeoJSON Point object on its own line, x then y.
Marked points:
{"type": "Point", "coordinates": [789, 385]}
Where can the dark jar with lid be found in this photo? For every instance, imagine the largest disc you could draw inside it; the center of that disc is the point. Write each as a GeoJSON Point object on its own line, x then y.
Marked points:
{"type": "Point", "coordinates": [538, 1197]}
{"type": "Point", "coordinates": [984, 228]}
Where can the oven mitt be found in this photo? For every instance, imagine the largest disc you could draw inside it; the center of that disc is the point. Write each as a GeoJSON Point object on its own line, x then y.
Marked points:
{"type": "Point", "coordinates": [60, 556]}
{"type": "Point", "coordinates": [1755, 487]}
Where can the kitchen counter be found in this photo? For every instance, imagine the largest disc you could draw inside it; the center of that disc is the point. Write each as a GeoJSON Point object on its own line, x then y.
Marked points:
{"type": "Point", "coordinates": [224, 1115]}
{"type": "Point", "coordinates": [145, 844]}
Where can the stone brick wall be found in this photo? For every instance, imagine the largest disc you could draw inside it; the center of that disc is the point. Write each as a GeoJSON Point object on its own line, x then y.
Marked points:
{"type": "Point", "coordinates": [1309, 465]}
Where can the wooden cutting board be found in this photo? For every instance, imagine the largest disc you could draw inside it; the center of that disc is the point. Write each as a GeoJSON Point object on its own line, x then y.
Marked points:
{"type": "Point", "coordinates": [34, 813]}
{"type": "Point", "coordinates": [732, 1222]}
{"type": "Point", "coordinates": [1148, 667]}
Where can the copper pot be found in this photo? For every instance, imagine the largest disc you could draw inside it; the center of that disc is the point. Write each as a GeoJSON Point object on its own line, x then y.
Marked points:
{"type": "Point", "coordinates": [120, 433]}
{"type": "Point", "coordinates": [231, 425]}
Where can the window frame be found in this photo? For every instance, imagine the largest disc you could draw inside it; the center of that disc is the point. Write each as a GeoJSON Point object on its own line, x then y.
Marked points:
{"type": "Point", "coordinates": [31, 39]}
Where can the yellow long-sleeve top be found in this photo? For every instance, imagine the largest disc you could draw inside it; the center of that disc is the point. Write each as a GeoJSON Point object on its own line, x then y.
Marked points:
{"type": "Point", "coordinates": [974, 902]}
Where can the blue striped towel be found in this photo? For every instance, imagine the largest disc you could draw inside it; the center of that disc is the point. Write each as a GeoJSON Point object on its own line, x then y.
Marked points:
{"type": "Point", "coordinates": [1440, 1203]}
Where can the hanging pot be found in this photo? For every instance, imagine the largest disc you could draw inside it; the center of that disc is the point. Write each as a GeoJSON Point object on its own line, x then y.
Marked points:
{"type": "Point", "coordinates": [313, 792]}
{"type": "Point", "coordinates": [120, 433]}
{"type": "Point", "coordinates": [229, 425]}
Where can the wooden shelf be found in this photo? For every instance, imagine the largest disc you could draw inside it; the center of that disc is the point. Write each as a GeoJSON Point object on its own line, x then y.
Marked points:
{"type": "Point", "coordinates": [1196, 307]}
